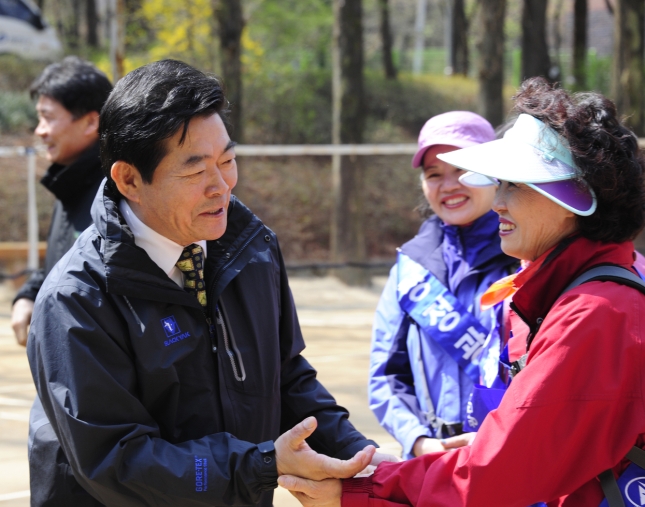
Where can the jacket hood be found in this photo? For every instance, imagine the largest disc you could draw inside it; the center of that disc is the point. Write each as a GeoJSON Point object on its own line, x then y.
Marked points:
{"type": "Point", "coordinates": [482, 236]}
{"type": "Point", "coordinates": [130, 271]}
{"type": "Point", "coordinates": [68, 182]}
{"type": "Point", "coordinates": [572, 257]}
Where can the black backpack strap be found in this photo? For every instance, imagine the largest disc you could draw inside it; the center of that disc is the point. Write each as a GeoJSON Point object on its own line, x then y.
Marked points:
{"type": "Point", "coordinates": [637, 456]}
{"type": "Point", "coordinates": [610, 489]}
{"type": "Point", "coordinates": [609, 273]}
{"type": "Point", "coordinates": [608, 483]}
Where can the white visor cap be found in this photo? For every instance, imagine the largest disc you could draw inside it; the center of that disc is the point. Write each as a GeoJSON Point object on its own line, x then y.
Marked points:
{"type": "Point", "coordinates": [530, 152]}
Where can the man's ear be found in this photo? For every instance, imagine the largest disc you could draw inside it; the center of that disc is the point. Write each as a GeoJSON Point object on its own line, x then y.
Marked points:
{"type": "Point", "coordinates": [128, 180]}
{"type": "Point", "coordinates": [91, 121]}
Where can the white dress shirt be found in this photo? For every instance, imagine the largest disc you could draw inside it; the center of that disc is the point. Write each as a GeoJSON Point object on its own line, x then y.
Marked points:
{"type": "Point", "coordinates": [164, 252]}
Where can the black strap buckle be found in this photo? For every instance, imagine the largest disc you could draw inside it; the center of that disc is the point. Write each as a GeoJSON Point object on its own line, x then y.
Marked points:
{"type": "Point", "coordinates": [451, 430]}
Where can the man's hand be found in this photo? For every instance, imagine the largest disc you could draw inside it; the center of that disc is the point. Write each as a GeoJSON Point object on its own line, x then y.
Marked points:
{"type": "Point", "coordinates": [20, 319]}
{"type": "Point", "coordinates": [325, 493]}
{"type": "Point", "coordinates": [295, 457]}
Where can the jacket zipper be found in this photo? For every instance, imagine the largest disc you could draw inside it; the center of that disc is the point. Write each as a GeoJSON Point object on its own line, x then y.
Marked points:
{"type": "Point", "coordinates": [533, 328]}
{"type": "Point", "coordinates": [220, 318]}
{"type": "Point", "coordinates": [237, 254]}
{"type": "Point", "coordinates": [229, 342]}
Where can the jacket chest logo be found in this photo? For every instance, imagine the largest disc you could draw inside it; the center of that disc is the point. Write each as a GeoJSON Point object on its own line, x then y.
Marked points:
{"type": "Point", "coordinates": [170, 326]}
{"type": "Point", "coordinates": [173, 333]}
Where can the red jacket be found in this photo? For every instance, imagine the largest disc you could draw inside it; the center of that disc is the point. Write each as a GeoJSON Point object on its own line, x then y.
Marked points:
{"type": "Point", "coordinates": [573, 412]}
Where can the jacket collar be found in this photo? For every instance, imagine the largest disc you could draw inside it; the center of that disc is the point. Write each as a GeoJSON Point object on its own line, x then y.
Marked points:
{"type": "Point", "coordinates": [129, 270]}
{"type": "Point", "coordinates": [68, 182]}
{"type": "Point", "coordinates": [572, 257]}
{"type": "Point", "coordinates": [426, 247]}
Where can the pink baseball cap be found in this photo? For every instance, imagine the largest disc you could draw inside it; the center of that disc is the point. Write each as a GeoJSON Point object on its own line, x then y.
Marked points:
{"type": "Point", "coordinates": [461, 129]}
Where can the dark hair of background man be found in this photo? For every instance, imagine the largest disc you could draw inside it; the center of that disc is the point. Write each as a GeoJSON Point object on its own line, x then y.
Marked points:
{"type": "Point", "coordinates": [78, 85]}
{"type": "Point", "coordinates": [148, 106]}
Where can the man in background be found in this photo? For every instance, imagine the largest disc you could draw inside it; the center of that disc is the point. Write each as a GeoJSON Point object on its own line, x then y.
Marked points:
{"type": "Point", "coordinates": [70, 96]}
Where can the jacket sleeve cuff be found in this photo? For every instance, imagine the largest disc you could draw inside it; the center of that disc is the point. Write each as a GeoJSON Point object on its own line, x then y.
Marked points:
{"type": "Point", "coordinates": [268, 468]}
{"type": "Point", "coordinates": [350, 450]}
{"type": "Point", "coordinates": [357, 492]}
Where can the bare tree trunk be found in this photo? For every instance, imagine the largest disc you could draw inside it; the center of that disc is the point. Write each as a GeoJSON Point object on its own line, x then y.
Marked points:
{"type": "Point", "coordinates": [386, 37]}
{"type": "Point", "coordinates": [419, 36]}
{"type": "Point", "coordinates": [459, 34]}
{"type": "Point", "coordinates": [116, 15]}
{"type": "Point", "coordinates": [231, 24]}
{"type": "Point", "coordinates": [491, 60]}
{"type": "Point", "coordinates": [535, 52]}
{"type": "Point", "coordinates": [628, 78]}
{"type": "Point", "coordinates": [73, 25]}
{"type": "Point", "coordinates": [92, 19]}
{"type": "Point", "coordinates": [580, 12]}
{"type": "Point", "coordinates": [349, 244]}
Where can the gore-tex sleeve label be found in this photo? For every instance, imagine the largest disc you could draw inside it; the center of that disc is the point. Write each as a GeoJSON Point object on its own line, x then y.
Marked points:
{"type": "Point", "coordinates": [201, 474]}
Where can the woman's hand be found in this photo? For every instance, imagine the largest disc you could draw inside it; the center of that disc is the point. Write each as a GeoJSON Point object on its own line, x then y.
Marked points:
{"type": "Point", "coordinates": [309, 493]}
{"type": "Point", "coordinates": [458, 441]}
{"type": "Point", "coordinates": [426, 445]}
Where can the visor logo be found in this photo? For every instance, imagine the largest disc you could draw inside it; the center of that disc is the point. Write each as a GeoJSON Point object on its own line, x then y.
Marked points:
{"type": "Point", "coordinates": [635, 491]}
{"type": "Point", "coordinates": [170, 326]}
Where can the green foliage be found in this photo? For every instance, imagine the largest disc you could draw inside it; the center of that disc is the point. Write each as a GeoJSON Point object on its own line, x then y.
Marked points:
{"type": "Point", "coordinates": [183, 30]}
{"type": "Point", "coordinates": [295, 106]}
{"type": "Point", "coordinates": [17, 112]}
{"type": "Point", "coordinates": [598, 72]}
{"type": "Point", "coordinates": [16, 74]}
{"type": "Point", "coordinates": [293, 35]}
{"type": "Point", "coordinates": [288, 107]}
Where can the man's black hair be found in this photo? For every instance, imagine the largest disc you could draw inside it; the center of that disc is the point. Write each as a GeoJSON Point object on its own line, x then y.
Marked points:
{"type": "Point", "coordinates": [150, 105]}
{"type": "Point", "coordinates": [78, 85]}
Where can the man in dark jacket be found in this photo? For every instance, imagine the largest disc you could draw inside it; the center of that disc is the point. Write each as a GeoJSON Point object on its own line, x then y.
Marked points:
{"type": "Point", "coordinates": [70, 95]}
{"type": "Point", "coordinates": [165, 345]}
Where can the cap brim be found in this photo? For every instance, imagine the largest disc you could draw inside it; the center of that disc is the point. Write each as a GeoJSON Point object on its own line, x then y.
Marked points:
{"type": "Point", "coordinates": [509, 161]}
{"type": "Point", "coordinates": [417, 160]}
{"type": "Point", "coordinates": [569, 195]}
{"type": "Point", "coordinates": [471, 179]}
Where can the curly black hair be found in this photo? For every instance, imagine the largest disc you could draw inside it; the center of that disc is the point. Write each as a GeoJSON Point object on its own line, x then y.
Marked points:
{"type": "Point", "coordinates": [604, 150]}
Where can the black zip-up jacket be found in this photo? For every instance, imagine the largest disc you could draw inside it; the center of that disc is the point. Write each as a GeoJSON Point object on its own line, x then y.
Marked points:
{"type": "Point", "coordinates": [151, 408]}
{"type": "Point", "coordinates": [74, 187]}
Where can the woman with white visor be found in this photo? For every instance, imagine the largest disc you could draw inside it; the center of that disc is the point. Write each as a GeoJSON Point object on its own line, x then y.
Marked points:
{"type": "Point", "coordinates": [572, 422]}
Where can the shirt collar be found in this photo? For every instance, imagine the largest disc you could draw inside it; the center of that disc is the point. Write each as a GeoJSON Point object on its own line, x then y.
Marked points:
{"type": "Point", "coordinates": [163, 251]}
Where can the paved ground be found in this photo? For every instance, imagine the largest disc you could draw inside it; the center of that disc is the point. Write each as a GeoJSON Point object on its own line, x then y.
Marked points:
{"type": "Point", "coordinates": [336, 322]}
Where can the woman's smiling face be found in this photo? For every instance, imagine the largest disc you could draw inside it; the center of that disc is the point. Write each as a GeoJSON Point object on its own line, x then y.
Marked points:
{"type": "Point", "coordinates": [530, 224]}
{"type": "Point", "coordinates": [453, 202]}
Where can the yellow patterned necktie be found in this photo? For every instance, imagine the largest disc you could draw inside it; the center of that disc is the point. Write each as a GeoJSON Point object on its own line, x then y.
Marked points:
{"type": "Point", "coordinates": [191, 264]}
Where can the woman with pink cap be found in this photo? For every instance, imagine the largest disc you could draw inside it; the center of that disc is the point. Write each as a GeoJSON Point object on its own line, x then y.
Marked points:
{"type": "Point", "coordinates": [570, 430]}
{"type": "Point", "coordinates": [431, 342]}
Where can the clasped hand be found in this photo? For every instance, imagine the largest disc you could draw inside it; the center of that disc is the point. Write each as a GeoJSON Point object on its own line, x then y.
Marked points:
{"type": "Point", "coordinates": [312, 477]}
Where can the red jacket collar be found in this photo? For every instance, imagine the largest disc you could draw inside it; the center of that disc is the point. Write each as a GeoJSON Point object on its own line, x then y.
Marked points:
{"type": "Point", "coordinates": [572, 257]}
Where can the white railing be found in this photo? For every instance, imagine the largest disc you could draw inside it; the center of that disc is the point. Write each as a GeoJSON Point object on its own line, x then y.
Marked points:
{"type": "Point", "coordinates": [243, 150]}
{"type": "Point", "coordinates": [300, 150]}
{"type": "Point", "coordinates": [32, 209]}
